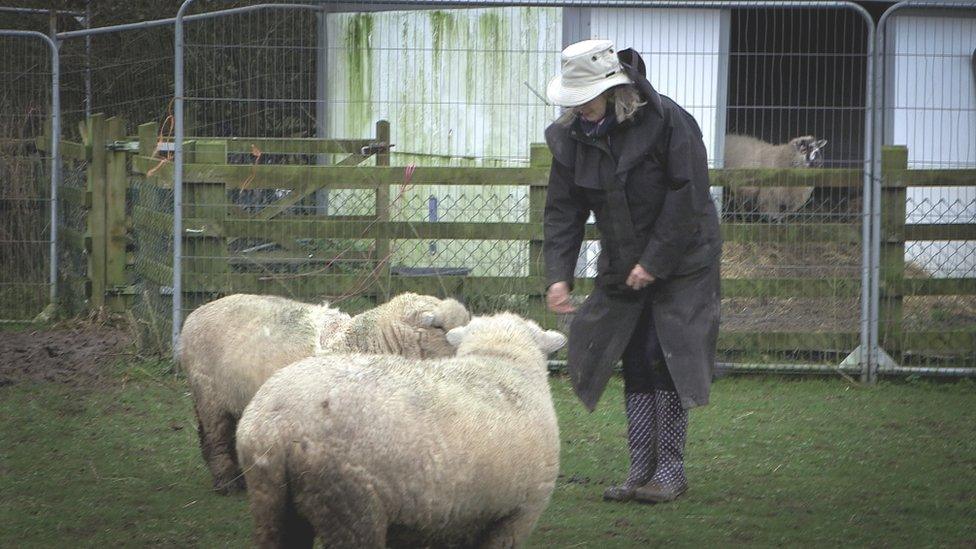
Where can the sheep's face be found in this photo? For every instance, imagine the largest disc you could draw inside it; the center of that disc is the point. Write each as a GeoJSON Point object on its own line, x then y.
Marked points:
{"type": "Point", "coordinates": [505, 325]}
{"type": "Point", "coordinates": [809, 151]}
{"type": "Point", "coordinates": [427, 319]}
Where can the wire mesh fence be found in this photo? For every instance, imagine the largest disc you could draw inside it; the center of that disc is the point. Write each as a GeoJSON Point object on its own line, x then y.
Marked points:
{"type": "Point", "coordinates": [797, 89]}
{"type": "Point", "coordinates": [73, 215]}
{"type": "Point", "coordinates": [25, 177]}
{"type": "Point", "coordinates": [770, 87]}
{"type": "Point", "coordinates": [278, 79]}
{"type": "Point", "coordinates": [125, 76]}
{"type": "Point", "coordinates": [348, 151]}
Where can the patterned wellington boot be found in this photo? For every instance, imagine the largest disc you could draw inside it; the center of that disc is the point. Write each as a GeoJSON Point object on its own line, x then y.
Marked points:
{"type": "Point", "coordinates": [669, 480]}
{"type": "Point", "coordinates": [640, 440]}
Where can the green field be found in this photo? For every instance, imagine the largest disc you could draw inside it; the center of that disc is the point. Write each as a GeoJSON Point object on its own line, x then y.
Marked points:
{"type": "Point", "coordinates": [772, 461]}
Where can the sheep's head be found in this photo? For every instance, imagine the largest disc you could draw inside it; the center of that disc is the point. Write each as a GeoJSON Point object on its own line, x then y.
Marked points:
{"type": "Point", "coordinates": [507, 327]}
{"type": "Point", "coordinates": [807, 151]}
{"type": "Point", "coordinates": [423, 322]}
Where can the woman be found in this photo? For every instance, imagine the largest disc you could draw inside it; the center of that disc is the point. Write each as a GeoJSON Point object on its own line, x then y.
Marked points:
{"type": "Point", "coordinates": [637, 161]}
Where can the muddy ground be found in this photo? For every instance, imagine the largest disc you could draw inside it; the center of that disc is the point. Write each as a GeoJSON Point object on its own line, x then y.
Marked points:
{"type": "Point", "coordinates": [74, 355]}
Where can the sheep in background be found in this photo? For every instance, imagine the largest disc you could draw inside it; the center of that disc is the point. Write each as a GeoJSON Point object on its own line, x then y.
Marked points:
{"type": "Point", "coordinates": [366, 451]}
{"type": "Point", "coordinates": [229, 347]}
{"type": "Point", "coordinates": [776, 202]}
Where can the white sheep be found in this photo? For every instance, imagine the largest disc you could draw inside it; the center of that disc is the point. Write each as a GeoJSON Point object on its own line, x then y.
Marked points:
{"type": "Point", "coordinates": [229, 347]}
{"type": "Point", "coordinates": [776, 202]}
{"type": "Point", "coordinates": [366, 451]}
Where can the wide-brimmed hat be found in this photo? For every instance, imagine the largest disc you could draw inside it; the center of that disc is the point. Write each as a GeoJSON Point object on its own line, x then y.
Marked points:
{"type": "Point", "coordinates": [588, 69]}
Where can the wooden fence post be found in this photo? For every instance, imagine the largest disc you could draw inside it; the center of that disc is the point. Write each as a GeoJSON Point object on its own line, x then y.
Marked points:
{"type": "Point", "coordinates": [206, 253]}
{"type": "Point", "coordinates": [116, 234]}
{"type": "Point", "coordinates": [95, 234]}
{"type": "Point", "coordinates": [894, 161]}
{"type": "Point", "coordinates": [539, 157]}
{"type": "Point", "coordinates": [148, 134]}
{"type": "Point", "coordinates": [382, 208]}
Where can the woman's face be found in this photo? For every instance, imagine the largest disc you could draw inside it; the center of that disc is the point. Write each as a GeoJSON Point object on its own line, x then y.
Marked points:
{"type": "Point", "coordinates": [593, 110]}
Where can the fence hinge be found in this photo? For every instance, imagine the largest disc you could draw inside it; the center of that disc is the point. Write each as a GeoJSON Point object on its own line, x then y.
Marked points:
{"type": "Point", "coordinates": [127, 146]}
{"type": "Point", "coordinates": [122, 290]}
{"type": "Point", "coordinates": [376, 148]}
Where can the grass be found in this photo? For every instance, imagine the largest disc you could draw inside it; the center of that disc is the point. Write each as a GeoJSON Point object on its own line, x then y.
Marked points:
{"type": "Point", "coordinates": [771, 462]}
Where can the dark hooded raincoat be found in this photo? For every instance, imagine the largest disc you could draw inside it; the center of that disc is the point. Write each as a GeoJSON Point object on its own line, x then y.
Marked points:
{"type": "Point", "coordinates": [647, 185]}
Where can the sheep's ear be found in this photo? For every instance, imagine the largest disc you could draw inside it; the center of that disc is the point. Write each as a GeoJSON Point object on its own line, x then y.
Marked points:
{"type": "Point", "coordinates": [552, 341]}
{"type": "Point", "coordinates": [455, 336]}
{"type": "Point", "coordinates": [819, 144]}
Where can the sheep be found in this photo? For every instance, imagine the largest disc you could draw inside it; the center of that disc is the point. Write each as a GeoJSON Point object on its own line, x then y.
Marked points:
{"type": "Point", "coordinates": [370, 451]}
{"type": "Point", "coordinates": [229, 347]}
{"type": "Point", "coordinates": [748, 152]}
{"type": "Point", "coordinates": [371, 332]}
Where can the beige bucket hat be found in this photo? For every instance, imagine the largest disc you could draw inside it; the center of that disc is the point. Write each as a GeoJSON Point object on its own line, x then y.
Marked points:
{"type": "Point", "coordinates": [588, 69]}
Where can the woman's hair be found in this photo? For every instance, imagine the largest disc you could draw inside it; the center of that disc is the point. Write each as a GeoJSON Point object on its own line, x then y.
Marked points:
{"type": "Point", "coordinates": [624, 99]}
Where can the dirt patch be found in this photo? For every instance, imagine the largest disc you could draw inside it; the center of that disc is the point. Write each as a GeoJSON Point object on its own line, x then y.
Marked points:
{"type": "Point", "coordinates": [70, 355]}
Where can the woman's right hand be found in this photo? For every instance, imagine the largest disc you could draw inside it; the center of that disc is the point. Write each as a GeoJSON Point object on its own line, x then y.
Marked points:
{"type": "Point", "coordinates": [557, 298]}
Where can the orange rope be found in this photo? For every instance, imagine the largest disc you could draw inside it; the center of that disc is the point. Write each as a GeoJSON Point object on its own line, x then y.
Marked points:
{"type": "Point", "coordinates": [171, 121]}
{"type": "Point", "coordinates": [256, 153]}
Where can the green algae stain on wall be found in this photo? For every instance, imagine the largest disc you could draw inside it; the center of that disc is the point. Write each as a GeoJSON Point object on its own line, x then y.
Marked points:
{"type": "Point", "coordinates": [359, 77]}
{"type": "Point", "coordinates": [493, 38]}
{"type": "Point", "coordinates": [443, 29]}
{"type": "Point", "coordinates": [451, 83]}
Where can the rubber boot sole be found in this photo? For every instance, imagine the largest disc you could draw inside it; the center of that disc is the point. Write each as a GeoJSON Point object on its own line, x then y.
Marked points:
{"type": "Point", "coordinates": [618, 494]}
{"type": "Point", "coordinates": [643, 495]}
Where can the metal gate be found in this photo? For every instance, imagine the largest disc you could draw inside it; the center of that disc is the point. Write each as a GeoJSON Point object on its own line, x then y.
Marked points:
{"type": "Point", "coordinates": [29, 99]}
{"type": "Point", "coordinates": [923, 306]}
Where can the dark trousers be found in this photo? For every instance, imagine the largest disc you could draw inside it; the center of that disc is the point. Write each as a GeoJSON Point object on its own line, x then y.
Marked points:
{"type": "Point", "coordinates": [644, 366]}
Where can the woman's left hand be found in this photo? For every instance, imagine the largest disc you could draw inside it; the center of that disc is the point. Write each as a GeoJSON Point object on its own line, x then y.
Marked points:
{"type": "Point", "coordinates": [639, 278]}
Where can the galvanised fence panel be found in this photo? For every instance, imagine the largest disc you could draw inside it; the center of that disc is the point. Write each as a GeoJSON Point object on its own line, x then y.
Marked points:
{"type": "Point", "coordinates": [28, 174]}
{"type": "Point", "coordinates": [459, 86]}
{"type": "Point", "coordinates": [926, 246]}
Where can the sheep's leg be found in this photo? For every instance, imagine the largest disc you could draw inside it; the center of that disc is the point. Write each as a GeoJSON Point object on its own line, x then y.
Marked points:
{"type": "Point", "coordinates": [277, 522]}
{"type": "Point", "coordinates": [216, 431]}
{"type": "Point", "coordinates": [296, 531]}
{"type": "Point", "coordinates": [205, 446]}
{"type": "Point", "coordinates": [275, 527]}
{"type": "Point", "coordinates": [513, 530]}
{"type": "Point", "coordinates": [347, 514]}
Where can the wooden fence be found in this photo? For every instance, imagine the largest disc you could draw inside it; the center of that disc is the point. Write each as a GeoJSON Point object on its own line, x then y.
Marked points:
{"type": "Point", "coordinates": [211, 224]}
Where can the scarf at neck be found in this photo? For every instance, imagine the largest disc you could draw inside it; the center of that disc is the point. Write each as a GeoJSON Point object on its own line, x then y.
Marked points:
{"type": "Point", "coordinates": [599, 128]}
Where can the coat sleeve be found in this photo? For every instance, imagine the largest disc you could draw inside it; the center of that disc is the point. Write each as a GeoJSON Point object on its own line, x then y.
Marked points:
{"type": "Point", "coordinates": [687, 176]}
{"type": "Point", "coordinates": [564, 224]}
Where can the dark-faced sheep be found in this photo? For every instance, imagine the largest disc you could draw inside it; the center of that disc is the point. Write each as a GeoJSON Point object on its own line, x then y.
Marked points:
{"type": "Point", "coordinates": [775, 202]}
{"type": "Point", "coordinates": [367, 451]}
{"type": "Point", "coordinates": [231, 346]}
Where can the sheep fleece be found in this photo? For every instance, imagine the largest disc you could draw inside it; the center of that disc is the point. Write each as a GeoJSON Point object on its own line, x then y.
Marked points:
{"type": "Point", "coordinates": [232, 345]}
{"type": "Point", "coordinates": [440, 451]}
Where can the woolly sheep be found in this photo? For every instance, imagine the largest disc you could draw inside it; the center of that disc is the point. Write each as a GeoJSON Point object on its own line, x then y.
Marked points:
{"type": "Point", "coordinates": [748, 152]}
{"type": "Point", "coordinates": [365, 451]}
{"type": "Point", "coordinates": [230, 346]}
